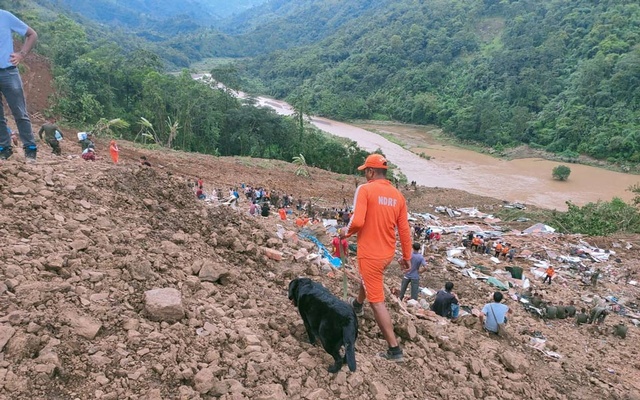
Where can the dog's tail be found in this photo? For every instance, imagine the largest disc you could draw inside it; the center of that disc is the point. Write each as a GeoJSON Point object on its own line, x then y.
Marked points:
{"type": "Point", "coordinates": [349, 333]}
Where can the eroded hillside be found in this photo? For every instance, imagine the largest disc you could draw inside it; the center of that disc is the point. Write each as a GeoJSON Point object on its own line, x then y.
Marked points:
{"type": "Point", "coordinates": [83, 242]}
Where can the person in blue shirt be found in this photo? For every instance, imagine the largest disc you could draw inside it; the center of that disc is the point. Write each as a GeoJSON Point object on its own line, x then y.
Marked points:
{"type": "Point", "coordinates": [418, 265]}
{"type": "Point", "coordinates": [494, 313]}
{"type": "Point", "coordinates": [11, 84]}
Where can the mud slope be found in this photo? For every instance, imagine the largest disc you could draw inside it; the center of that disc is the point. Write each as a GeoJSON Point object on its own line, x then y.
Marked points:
{"type": "Point", "coordinates": [83, 242]}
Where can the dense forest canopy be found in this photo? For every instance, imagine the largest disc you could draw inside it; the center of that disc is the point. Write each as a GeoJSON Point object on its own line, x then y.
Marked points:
{"type": "Point", "coordinates": [560, 75]}
{"type": "Point", "coordinates": [145, 14]}
{"type": "Point", "coordinates": [98, 78]}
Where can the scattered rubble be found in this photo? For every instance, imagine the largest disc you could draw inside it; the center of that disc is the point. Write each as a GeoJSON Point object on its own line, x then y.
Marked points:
{"type": "Point", "coordinates": [115, 282]}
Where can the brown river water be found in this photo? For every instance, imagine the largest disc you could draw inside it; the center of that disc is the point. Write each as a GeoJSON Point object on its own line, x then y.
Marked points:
{"type": "Point", "coordinates": [526, 180]}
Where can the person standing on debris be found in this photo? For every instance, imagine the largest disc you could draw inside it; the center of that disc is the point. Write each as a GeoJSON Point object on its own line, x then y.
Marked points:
{"type": "Point", "coordinates": [418, 265]}
{"type": "Point", "coordinates": [494, 314]}
{"type": "Point", "coordinates": [475, 243]}
{"type": "Point", "coordinates": [498, 249]}
{"type": "Point", "coordinates": [11, 85]}
{"type": "Point", "coordinates": [446, 303]}
{"type": "Point", "coordinates": [340, 247]}
{"type": "Point", "coordinates": [505, 250]}
{"type": "Point", "coordinates": [114, 151]}
{"type": "Point", "coordinates": [550, 272]}
{"type": "Point", "coordinates": [378, 210]}
{"type": "Point", "coordinates": [47, 133]}
{"type": "Point", "coordinates": [282, 213]}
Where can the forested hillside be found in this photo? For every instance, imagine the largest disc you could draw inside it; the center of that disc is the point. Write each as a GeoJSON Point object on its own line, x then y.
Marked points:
{"type": "Point", "coordinates": [98, 79]}
{"type": "Point", "coordinates": [564, 76]}
{"type": "Point", "coordinates": [138, 14]}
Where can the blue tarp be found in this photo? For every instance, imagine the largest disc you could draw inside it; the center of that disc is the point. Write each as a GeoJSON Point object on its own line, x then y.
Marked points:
{"type": "Point", "coordinates": [335, 261]}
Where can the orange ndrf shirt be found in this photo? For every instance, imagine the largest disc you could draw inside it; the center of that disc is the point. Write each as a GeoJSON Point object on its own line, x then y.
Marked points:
{"type": "Point", "coordinates": [378, 209]}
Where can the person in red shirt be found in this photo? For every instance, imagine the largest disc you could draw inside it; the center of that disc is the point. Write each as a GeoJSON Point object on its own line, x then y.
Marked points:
{"type": "Point", "coordinates": [379, 209]}
{"type": "Point", "coordinates": [336, 243]}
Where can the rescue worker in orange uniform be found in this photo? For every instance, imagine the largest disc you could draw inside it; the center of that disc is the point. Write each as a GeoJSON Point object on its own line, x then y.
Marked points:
{"type": "Point", "coordinates": [550, 273]}
{"type": "Point", "coordinates": [379, 209]}
{"type": "Point", "coordinates": [498, 249]}
{"type": "Point", "coordinates": [114, 151]}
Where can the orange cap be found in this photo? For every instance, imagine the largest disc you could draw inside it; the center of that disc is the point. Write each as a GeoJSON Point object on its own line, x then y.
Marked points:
{"type": "Point", "coordinates": [374, 161]}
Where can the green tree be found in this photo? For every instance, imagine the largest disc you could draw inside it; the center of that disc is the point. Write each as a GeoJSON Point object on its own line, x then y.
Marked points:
{"type": "Point", "coordinates": [561, 172]}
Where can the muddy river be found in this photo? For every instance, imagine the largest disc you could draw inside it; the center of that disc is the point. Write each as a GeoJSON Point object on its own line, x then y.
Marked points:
{"type": "Point", "coordinates": [525, 180]}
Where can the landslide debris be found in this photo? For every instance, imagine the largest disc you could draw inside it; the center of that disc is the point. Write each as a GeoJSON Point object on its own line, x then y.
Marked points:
{"type": "Point", "coordinates": [116, 283]}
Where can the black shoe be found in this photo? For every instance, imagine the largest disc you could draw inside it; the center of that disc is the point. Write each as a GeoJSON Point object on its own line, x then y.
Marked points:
{"type": "Point", "coordinates": [392, 355]}
{"type": "Point", "coordinates": [357, 307]}
{"type": "Point", "coordinates": [30, 154]}
{"type": "Point", "coordinates": [5, 153]}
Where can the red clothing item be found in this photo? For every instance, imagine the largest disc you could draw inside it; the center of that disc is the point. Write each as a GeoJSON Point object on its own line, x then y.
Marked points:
{"type": "Point", "coordinates": [335, 243]}
{"type": "Point", "coordinates": [283, 214]}
{"type": "Point", "coordinates": [379, 208]}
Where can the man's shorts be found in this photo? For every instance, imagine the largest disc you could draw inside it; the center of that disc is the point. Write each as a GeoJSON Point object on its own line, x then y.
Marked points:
{"type": "Point", "coordinates": [372, 273]}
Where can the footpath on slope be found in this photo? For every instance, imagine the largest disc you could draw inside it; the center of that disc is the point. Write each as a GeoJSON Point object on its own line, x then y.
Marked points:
{"type": "Point", "coordinates": [86, 244]}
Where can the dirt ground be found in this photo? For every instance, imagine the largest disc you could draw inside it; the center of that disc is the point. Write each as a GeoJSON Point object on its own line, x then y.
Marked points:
{"type": "Point", "coordinates": [86, 241]}
{"type": "Point", "coordinates": [87, 245]}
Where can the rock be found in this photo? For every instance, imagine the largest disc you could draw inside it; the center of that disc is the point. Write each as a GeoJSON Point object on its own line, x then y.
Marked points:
{"type": "Point", "coordinates": [19, 190]}
{"type": "Point", "coordinates": [214, 272]}
{"type": "Point", "coordinates": [85, 204]}
{"type": "Point", "coordinates": [273, 242]}
{"type": "Point", "coordinates": [180, 238]}
{"type": "Point", "coordinates": [164, 304]}
{"type": "Point", "coordinates": [272, 391]}
{"type": "Point", "coordinates": [227, 386]}
{"type": "Point", "coordinates": [406, 329]}
{"type": "Point", "coordinates": [379, 390]}
{"type": "Point", "coordinates": [6, 332]}
{"type": "Point", "coordinates": [80, 244]}
{"type": "Point", "coordinates": [513, 362]}
{"type": "Point", "coordinates": [204, 380]}
{"type": "Point", "coordinates": [86, 327]}
{"type": "Point", "coordinates": [153, 394]}
{"type": "Point", "coordinates": [170, 248]}
{"type": "Point", "coordinates": [54, 262]}
{"type": "Point", "coordinates": [21, 249]}
{"type": "Point", "coordinates": [272, 253]}
{"type": "Point", "coordinates": [301, 254]}
{"type": "Point", "coordinates": [318, 394]}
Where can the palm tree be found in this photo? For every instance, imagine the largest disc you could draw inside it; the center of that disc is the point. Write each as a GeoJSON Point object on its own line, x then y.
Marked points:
{"type": "Point", "coordinates": [302, 166]}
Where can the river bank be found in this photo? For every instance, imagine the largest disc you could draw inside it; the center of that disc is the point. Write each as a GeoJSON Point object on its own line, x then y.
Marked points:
{"type": "Point", "coordinates": [433, 162]}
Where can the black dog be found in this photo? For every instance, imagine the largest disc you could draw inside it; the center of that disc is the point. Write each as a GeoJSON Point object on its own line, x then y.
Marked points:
{"type": "Point", "coordinates": [327, 318]}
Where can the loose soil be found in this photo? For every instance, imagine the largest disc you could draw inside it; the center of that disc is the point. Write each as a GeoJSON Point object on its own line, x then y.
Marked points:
{"type": "Point", "coordinates": [84, 243]}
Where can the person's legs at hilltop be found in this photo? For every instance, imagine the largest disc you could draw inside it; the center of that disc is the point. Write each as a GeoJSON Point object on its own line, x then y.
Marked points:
{"type": "Point", "coordinates": [12, 90]}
